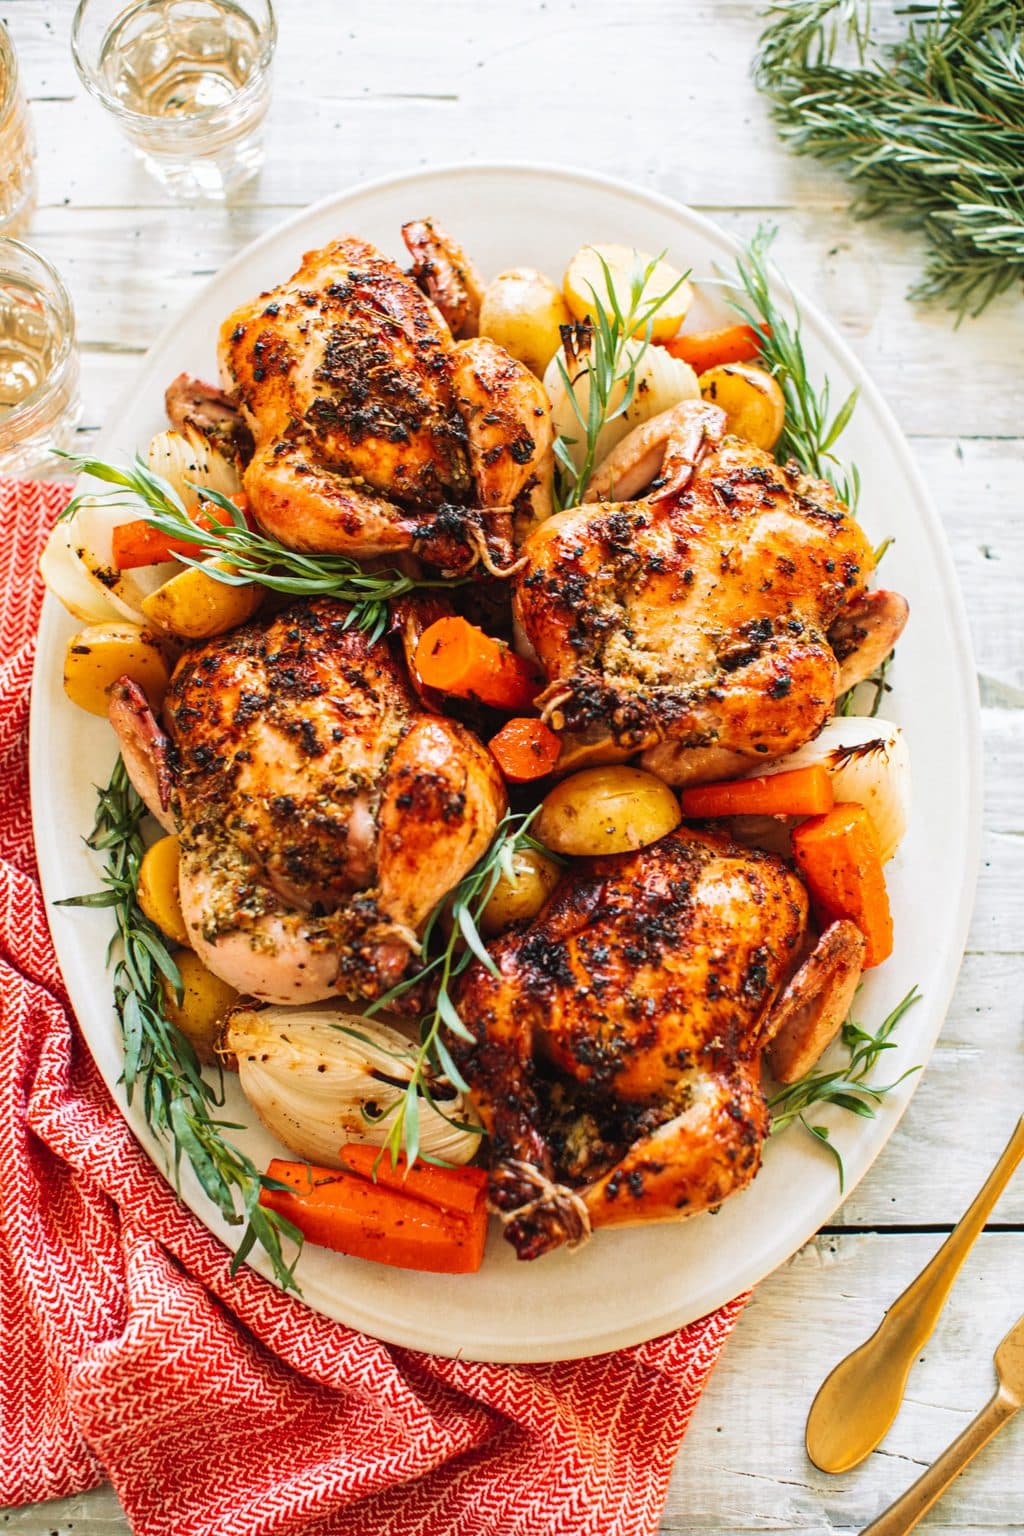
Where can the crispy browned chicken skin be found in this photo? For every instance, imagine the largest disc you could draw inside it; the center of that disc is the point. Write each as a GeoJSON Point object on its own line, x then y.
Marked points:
{"type": "Point", "coordinates": [322, 814]}
{"type": "Point", "coordinates": [366, 417]}
{"type": "Point", "coordinates": [617, 1059]}
{"type": "Point", "coordinates": [698, 624]}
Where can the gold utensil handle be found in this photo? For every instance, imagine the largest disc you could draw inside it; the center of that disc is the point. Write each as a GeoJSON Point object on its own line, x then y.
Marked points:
{"type": "Point", "coordinates": [919, 1498]}
{"type": "Point", "coordinates": [925, 1297]}
{"type": "Point", "coordinates": [858, 1400]}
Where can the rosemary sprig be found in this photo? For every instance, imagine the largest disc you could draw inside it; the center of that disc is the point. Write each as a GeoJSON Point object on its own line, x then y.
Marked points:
{"type": "Point", "coordinates": [847, 1086]}
{"type": "Point", "coordinates": [178, 1101]}
{"type": "Point", "coordinates": [252, 556]}
{"type": "Point", "coordinates": [811, 431]}
{"type": "Point", "coordinates": [597, 350]}
{"type": "Point", "coordinates": [929, 128]}
{"type": "Point", "coordinates": [461, 909]}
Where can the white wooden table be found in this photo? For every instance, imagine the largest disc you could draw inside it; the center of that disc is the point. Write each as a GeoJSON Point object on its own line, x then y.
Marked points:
{"type": "Point", "coordinates": [374, 86]}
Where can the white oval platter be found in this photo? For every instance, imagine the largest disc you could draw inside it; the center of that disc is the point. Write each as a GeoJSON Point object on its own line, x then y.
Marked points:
{"type": "Point", "coordinates": [626, 1286]}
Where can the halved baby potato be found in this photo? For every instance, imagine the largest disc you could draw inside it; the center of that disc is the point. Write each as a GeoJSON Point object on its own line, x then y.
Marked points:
{"type": "Point", "coordinates": [522, 311]}
{"type": "Point", "coordinates": [96, 657]}
{"type": "Point", "coordinates": [611, 809]}
{"type": "Point", "coordinates": [534, 878]}
{"type": "Point", "coordinates": [158, 893]}
{"type": "Point", "coordinates": [196, 606]}
{"type": "Point", "coordinates": [585, 276]}
{"type": "Point", "coordinates": [205, 1004]}
{"type": "Point", "coordinates": [751, 399]}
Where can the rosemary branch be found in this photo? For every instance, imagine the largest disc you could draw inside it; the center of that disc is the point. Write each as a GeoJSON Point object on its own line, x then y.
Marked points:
{"type": "Point", "coordinates": [811, 431]}
{"type": "Point", "coordinates": [253, 556]}
{"type": "Point", "coordinates": [847, 1086]}
{"type": "Point", "coordinates": [929, 129]}
{"type": "Point", "coordinates": [178, 1102]}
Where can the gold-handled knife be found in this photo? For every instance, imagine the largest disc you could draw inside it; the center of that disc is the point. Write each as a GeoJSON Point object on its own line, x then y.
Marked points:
{"type": "Point", "coordinates": [1009, 1396]}
{"type": "Point", "coordinates": [857, 1403]}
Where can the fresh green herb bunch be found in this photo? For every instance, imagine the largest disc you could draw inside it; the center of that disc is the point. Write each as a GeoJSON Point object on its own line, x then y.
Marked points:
{"type": "Point", "coordinates": [811, 431]}
{"type": "Point", "coordinates": [252, 556]}
{"type": "Point", "coordinates": [846, 1087]}
{"type": "Point", "coordinates": [178, 1102]}
{"type": "Point", "coordinates": [597, 349]}
{"type": "Point", "coordinates": [930, 129]}
{"type": "Point", "coordinates": [461, 910]}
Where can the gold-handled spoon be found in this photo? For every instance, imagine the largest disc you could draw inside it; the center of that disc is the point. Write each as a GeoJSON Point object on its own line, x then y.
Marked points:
{"type": "Point", "coordinates": [857, 1403]}
{"type": "Point", "coordinates": [1009, 1396]}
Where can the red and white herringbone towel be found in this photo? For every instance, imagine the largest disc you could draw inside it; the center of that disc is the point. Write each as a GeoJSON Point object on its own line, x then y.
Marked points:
{"type": "Point", "coordinates": [220, 1406]}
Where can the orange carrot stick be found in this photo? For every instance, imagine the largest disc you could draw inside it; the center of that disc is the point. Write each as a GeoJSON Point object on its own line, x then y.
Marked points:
{"type": "Point", "coordinates": [525, 750]}
{"type": "Point", "coordinates": [137, 543]}
{"type": "Point", "coordinates": [456, 657]}
{"type": "Point", "coordinates": [459, 1191]}
{"type": "Point", "coordinates": [838, 856]}
{"type": "Point", "coordinates": [707, 349]}
{"type": "Point", "coordinates": [797, 792]}
{"type": "Point", "coordinates": [368, 1221]}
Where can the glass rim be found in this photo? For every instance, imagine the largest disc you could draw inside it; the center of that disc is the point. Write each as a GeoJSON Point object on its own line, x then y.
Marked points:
{"type": "Point", "coordinates": [10, 76]}
{"type": "Point", "coordinates": [91, 81]}
{"type": "Point", "coordinates": [52, 381]}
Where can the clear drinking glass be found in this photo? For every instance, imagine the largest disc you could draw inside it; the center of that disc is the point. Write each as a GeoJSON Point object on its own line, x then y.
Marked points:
{"type": "Point", "coordinates": [17, 150]}
{"type": "Point", "coordinates": [187, 80]}
{"type": "Point", "coordinates": [38, 361]}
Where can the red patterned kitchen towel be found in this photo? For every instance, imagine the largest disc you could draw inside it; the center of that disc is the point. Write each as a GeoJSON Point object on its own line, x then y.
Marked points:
{"type": "Point", "coordinates": [216, 1405]}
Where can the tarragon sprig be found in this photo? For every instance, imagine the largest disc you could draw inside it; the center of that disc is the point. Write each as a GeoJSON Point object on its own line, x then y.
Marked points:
{"type": "Point", "coordinates": [597, 349]}
{"type": "Point", "coordinates": [811, 431]}
{"type": "Point", "coordinates": [252, 556]}
{"type": "Point", "coordinates": [847, 1087]}
{"type": "Point", "coordinates": [179, 1103]}
{"type": "Point", "coordinates": [461, 910]}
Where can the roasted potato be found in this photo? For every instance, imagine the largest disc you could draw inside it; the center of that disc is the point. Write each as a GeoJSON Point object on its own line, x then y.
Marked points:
{"type": "Point", "coordinates": [535, 879]}
{"type": "Point", "coordinates": [158, 889]}
{"type": "Point", "coordinates": [585, 277]}
{"type": "Point", "coordinates": [522, 311]}
{"type": "Point", "coordinates": [750, 398]}
{"type": "Point", "coordinates": [195, 606]}
{"type": "Point", "coordinates": [611, 809]}
{"type": "Point", "coordinates": [204, 1005]}
{"type": "Point", "coordinates": [96, 657]}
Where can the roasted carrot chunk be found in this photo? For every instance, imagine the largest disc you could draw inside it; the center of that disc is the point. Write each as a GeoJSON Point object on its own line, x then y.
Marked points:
{"type": "Point", "coordinates": [456, 657]}
{"type": "Point", "coordinates": [137, 543]}
{"type": "Point", "coordinates": [838, 856]}
{"type": "Point", "coordinates": [707, 349]}
{"type": "Point", "coordinates": [796, 792]}
{"type": "Point", "coordinates": [370, 1220]}
{"type": "Point", "coordinates": [461, 1190]}
{"type": "Point", "coordinates": [525, 749]}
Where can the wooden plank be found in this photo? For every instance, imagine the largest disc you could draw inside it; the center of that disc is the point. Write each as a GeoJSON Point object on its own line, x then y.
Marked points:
{"type": "Point", "coordinates": [743, 1467]}
{"type": "Point", "coordinates": [387, 87]}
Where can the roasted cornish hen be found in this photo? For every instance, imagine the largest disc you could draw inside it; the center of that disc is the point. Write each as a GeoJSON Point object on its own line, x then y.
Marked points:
{"type": "Point", "coordinates": [374, 432]}
{"type": "Point", "coordinates": [710, 623]}
{"type": "Point", "coordinates": [321, 814]}
{"type": "Point", "coordinates": [617, 1054]}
